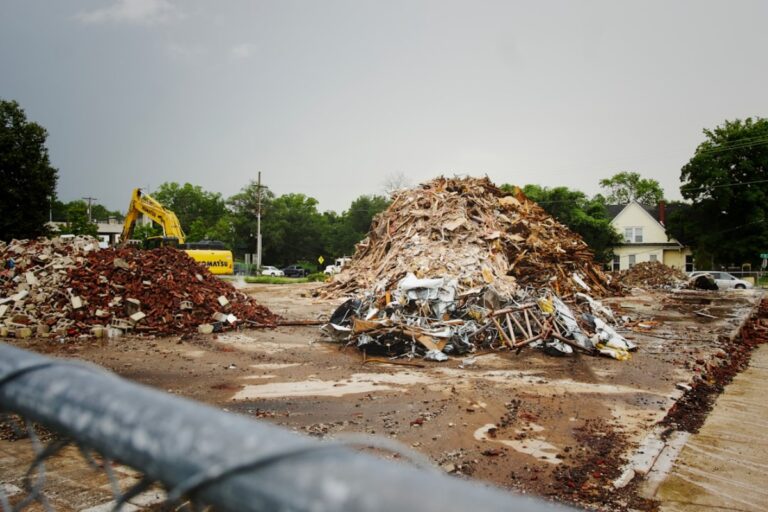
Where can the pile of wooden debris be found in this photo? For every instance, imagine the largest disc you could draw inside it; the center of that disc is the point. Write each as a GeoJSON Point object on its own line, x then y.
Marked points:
{"type": "Point", "coordinates": [470, 230]}
{"type": "Point", "coordinates": [457, 265]}
{"type": "Point", "coordinates": [651, 274]}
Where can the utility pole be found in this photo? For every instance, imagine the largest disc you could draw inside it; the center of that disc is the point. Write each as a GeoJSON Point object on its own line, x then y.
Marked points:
{"type": "Point", "coordinates": [90, 200]}
{"type": "Point", "coordinates": [258, 225]}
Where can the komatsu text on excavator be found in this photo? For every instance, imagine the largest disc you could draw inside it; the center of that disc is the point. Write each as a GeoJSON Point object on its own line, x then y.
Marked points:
{"type": "Point", "coordinates": [212, 254]}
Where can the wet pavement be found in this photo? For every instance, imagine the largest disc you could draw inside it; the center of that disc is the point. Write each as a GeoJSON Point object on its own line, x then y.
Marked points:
{"type": "Point", "coordinates": [561, 428]}
{"type": "Point", "coordinates": [724, 466]}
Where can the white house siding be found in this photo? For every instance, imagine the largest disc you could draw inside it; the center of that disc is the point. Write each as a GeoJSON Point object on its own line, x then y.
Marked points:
{"type": "Point", "coordinates": [654, 245]}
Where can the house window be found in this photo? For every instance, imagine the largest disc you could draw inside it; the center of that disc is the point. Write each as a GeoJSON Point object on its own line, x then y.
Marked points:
{"type": "Point", "coordinates": [632, 260]}
{"type": "Point", "coordinates": [633, 234]}
{"type": "Point", "coordinates": [616, 262]}
{"type": "Point", "coordinates": [689, 263]}
{"type": "Point", "coordinates": [653, 257]}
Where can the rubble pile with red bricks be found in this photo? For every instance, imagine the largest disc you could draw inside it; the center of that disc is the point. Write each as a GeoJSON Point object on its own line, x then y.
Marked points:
{"type": "Point", "coordinates": [471, 230]}
{"type": "Point", "coordinates": [69, 287]}
{"type": "Point", "coordinates": [651, 274]}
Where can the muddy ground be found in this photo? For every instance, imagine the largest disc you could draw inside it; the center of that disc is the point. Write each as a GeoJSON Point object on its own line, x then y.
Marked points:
{"type": "Point", "coordinates": [561, 428]}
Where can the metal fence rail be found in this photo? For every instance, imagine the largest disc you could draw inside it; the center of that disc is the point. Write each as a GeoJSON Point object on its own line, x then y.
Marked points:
{"type": "Point", "coordinates": [228, 461]}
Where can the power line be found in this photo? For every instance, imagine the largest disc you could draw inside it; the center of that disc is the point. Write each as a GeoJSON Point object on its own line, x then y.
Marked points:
{"type": "Point", "coordinates": [736, 145]}
{"type": "Point", "coordinates": [721, 185]}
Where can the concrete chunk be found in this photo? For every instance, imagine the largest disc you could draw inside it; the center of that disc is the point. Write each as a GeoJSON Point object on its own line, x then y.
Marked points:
{"type": "Point", "coordinates": [77, 302]}
{"type": "Point", "coordinates": [121, 264]}
{"type": "Point", "coordinates": [31, 279]}
{"type": "Point", "coordinates": [137, 317]}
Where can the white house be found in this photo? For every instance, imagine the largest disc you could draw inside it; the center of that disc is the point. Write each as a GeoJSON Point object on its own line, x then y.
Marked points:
{"type": "Point", "coordinates": [645, 238]}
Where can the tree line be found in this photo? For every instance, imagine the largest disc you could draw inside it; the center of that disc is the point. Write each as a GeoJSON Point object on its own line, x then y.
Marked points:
{"type": "Point", "coordinates": [722, 216]}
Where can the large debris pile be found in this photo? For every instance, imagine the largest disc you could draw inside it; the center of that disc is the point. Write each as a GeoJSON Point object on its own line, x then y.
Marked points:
{"type": "Point", "coordinates": [457, 265]}
{"type": "Point", "coordinates": [70, 287]}
{"type": "Point", "coordinates": [471, 230]}
{"type": "Point", "coordinates": [651, 274]}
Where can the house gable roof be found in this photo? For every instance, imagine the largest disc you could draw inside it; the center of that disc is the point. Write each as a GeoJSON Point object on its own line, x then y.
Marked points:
{"type": "Point", "coordinates": [615, 211]}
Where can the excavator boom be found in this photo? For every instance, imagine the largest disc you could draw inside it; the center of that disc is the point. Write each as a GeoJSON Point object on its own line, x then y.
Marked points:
{"type": "Point", "coordinates": [218, 261]}
{"type": "Point", "coordinates": [145, 204]}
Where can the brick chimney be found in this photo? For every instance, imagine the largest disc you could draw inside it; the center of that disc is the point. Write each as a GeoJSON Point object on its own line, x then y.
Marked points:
{"type": "Point", "coordinates": [662, 213]}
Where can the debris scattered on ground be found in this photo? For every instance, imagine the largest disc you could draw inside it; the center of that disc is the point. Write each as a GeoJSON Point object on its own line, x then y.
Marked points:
{"type": "Point", "coordinates": [689, 413]}
{"type": "Point", "coordinates": [471, 230]}
{"type": "Point", "coordinates": [68, 287]}
{"type": "Point", "coordinates": [429, 318]}
{"type": "Point", "coordinates": [651, 274]}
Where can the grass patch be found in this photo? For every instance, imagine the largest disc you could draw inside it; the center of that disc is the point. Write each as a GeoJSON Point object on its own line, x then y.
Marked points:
{"type": "Point", "coordinates": [275, 280]}
{"type": "Point", "coordinates": [317, 277]}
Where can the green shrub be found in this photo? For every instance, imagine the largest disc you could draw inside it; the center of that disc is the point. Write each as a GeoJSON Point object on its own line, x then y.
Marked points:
{"type": "Point", "coordinates": [317, 277]}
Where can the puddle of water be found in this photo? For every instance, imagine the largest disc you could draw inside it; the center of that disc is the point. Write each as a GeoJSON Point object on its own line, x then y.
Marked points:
{"type": "Point", "coordinates": [355, 383]}
{"type": "Point", "coordinates": [545, 385]}
{"type": "Point", "coordinates": [273, 366]}
{"type": "Point", "coordinates": [267, 376]}
{"type": "Point", "coordinates": [535, 447]}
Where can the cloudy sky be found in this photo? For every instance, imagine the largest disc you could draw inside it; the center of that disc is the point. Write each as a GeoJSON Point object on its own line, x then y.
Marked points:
{"type": "Point", "coordinates": [334, 98]}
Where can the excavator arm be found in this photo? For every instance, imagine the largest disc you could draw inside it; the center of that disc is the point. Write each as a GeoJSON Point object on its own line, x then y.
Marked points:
{"type": "Point", "coordinates": [145, 204]}
{"type": "Point", "coordinates": [217, 260]}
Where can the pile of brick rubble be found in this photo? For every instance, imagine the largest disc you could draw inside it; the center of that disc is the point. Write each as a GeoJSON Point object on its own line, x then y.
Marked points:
{"type": "Point", "coordinates": [69, 287]}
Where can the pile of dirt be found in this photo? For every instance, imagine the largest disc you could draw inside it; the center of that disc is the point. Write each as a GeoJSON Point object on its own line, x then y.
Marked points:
{"type": "Point", "coordinates": [651, 274]}
{"type": "Point", "coordinates": [470, 230]}
{"type": "Point", "coordinates": [70, 287]}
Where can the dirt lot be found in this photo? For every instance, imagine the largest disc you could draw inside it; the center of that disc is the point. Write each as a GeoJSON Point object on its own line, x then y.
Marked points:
{"type": "Point", "coordinates": [562, 428]}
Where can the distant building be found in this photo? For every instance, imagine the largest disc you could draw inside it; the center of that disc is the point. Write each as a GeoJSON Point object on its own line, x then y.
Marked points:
{"type": "Point", "coordinates": [108, 232]}
{"type": "Point", "coordinates": [645, 237]}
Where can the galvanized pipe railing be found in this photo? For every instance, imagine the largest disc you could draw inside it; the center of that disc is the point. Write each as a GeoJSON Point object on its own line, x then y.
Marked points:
{"type": "Point", "coordinates": [226, 460]}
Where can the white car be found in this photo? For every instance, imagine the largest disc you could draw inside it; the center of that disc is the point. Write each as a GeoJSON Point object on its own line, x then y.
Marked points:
{"type": "Point", "coordinates": [724, 280]}
{"type": "Point", "coordinates": [268, 270]}
{"type": "Point", "coordinates": [331, 269]}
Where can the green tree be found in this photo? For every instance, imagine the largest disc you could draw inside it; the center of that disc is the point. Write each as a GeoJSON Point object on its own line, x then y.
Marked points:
{"type": "Point", "coordinates": [291, 230]}
{"type": "Point", "coordinates": [726, 182]}
{"type": "Point", "coordinates": [77, 220]}
{"type": "Point", "coordinates": [362, 210]}
{"type": "Point", "coordinates": [587, 217]}
{"type": "Point", "coordinates": [243, 207]}
{"type": "Point", "coordinates": [101, 213]}
{"type": "Point", "coordinates": [144, 231]}
{"type": "Point", "coordinates": [29, 180]}
{"type": "Point", "coordinates": [625, 187]}
{"type": "Point", "coordinates": [192, 204]}
{"type": "Point", "coordinates": [343, 231]}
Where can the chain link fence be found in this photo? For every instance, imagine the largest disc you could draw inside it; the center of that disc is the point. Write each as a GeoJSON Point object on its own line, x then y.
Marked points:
{"type": "Point", "coordinates": [159, 451]}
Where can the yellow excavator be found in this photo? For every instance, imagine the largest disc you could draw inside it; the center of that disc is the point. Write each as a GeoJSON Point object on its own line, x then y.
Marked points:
{"type": "Point", "coordinates": [212, 254]}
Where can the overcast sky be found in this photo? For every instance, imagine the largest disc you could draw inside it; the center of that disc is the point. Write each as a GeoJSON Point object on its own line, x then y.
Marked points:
{"type": "Point", "coordinates": [332, 98]}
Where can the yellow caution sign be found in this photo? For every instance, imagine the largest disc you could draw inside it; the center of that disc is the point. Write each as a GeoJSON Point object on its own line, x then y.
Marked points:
{"type": "Point", "coordinates": [320, 260]}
